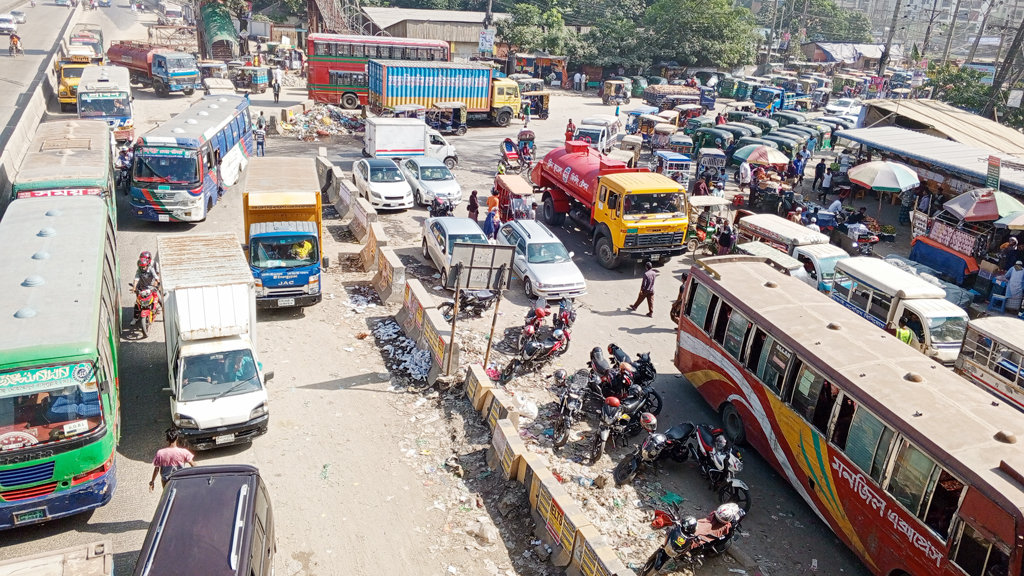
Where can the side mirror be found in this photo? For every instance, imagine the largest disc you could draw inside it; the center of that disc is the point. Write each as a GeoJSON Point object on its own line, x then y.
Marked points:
{"type": "Point", "coordinates": [326, 262]}
{"type": "Point", "coordinates": [520, 258]}
{"type": "Point", "coordinates": [268, 376]}
{"type": "Point", "coordinates": [571, 254]}
{"type": "Point", "coordinates": [245, 247]}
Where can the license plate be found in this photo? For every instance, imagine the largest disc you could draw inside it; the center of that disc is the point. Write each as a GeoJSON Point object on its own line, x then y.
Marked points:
{"type": "Point", "coordinates": [224, 439]}
{"type": "Point", "coordinates": [655, 257]}
{"type": "Point", "coordinates": [30, 516]}
{"type": "Point", "coordinates": [163, 218]}
{"type": "Point", "coordinates": [286, 301]}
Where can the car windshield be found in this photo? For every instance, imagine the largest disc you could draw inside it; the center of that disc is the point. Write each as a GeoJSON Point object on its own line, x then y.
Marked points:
{"type": "Point", "coordinates": [828, 267]}
{"type": "Point", "coordinates": [844, 103]}
{"type": "Point", "coordinates": [169, 165]}
{"type": "Point", "coordinates": [593, 136]}
{"type": "Point", "coordinates": [465, 239]}
{"type": "Point", "coordinates": [48, 405]}
{"type": "Point", "coordinates": [209, 376]}
{"type": "Point", "coordinates": [291, 251]}
{"type": "Point", "coordinates": [947, 330]}
{"type": "Point", "coordinates": [72, 72]}
{"type": "Point", "coordinates": [546, 253]}
{"type": "Point", "coordinates": [116, 104]}
{"type": "Point", "coordinates": [16, 13]}
{"type": "Point", "coordinates": [385, 174]}
{"type": "Point", "coordinates": [435, 173]}
{"type": "Point", "coordinates": [639, 206]}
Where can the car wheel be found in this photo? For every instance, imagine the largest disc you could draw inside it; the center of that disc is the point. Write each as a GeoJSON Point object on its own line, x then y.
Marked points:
{"type": "Point", "coordinates": [416, 198]}
{"type": "Point", "coordinates": [444, 278]}
{"type": "Point", "coordinates": [426, 255]}
{"type": "Point", "coordinates": [528, 288]}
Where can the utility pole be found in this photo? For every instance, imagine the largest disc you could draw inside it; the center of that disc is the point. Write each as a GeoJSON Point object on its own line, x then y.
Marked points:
{"type": "Point", "coordinates": [928, 30]}
{"type": "Point", "coordinates": [771, 35]}
{"type": "Point", "coordinates": [888, 42]}
{"type": "Point", "coordinates": [1003, 72]}
{"type": "Point", "coordinates": [981, 30]}
{"type": "Point", "coordinates": [949, 33]}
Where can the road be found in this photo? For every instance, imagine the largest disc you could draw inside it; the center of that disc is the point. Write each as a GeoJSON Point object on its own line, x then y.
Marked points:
{"type": "Point", "coordinates": [355, 459]}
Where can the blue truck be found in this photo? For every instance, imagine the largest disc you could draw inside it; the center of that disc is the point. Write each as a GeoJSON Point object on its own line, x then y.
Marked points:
{"type": "Point", "coordinates": [164, 69]}
{"type": "Point", "coordinates": [774, 99]}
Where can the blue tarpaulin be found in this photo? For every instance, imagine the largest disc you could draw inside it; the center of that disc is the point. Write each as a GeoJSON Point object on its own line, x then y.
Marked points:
{"type": "Point", "coordinates": [947, 263]}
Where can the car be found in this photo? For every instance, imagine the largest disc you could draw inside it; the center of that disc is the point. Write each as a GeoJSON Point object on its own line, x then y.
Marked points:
{"type": "Point", "coordinates": [8, 25]}
{"type": "Point", "coordinates": [440, 236]}
{"type": "Point", "coordinates": [844, 106]}
{"type": "Point", "coordinates": [429, 179]}
{"type": "Point", "coordinates": [19, 16]}
{"type": "Point", "coordinates": [541, 260]}
{"type": "Point", "coordinates": [381, 183]}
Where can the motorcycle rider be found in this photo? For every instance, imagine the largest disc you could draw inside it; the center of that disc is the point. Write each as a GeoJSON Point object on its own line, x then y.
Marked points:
{"type": "Point", "coordinates": [15, 46]}
{"type": "Point", "coordinates": [716, 526]}
{"type": "Point", "coordinates": [123, 162]}
{"type": "Point", "coordinates": [146, 277]}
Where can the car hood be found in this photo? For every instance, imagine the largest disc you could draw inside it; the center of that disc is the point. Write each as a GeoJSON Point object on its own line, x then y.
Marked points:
{"type": "Point", "coordinates": [225, 411]}
{"type": "Point", "coordinates": [442, 187]}
{"type": "Point", "coordinates": [390, 188]}
{"type": "Point", "coordinates": [562, 273]}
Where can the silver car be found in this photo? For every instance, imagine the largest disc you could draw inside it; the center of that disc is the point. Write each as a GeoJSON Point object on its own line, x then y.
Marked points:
{"type": "Point", "coordinates": [429, 179]}
{"type": "Point", "coordinates": [542, 261]}
{"type": "Point", "coordinates": [440, 236]}
{"type": "Point", "coordinates": [8, 25]}
{"type": "Point", "coordinates": [19, 16]}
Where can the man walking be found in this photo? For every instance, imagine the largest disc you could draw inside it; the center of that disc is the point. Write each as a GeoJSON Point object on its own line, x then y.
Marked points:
{"type": "Point", "coordinates": [277, 91]}
{"type": "Point", "coordinates": [826, 186]}
{"type": "Point", "coordinates": [261, 121]}
{"type": "Point", "coordinates": [260, 135]}
{"type": "Point", "coordinates": [745, 176]}
{"type": "Point", "coordinates": [819, 174]}
{"type": "Point", "coordinates": [169, 459]}
{"type": "Point", "coordinates": [647, 290]}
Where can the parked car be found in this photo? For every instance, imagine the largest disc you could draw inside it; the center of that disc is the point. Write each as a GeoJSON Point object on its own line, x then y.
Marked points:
{"type": "Point", "coordinates": [542, 262]}
{"type": "Point", "coordinates": [844, 106]}
{"type": "Point", "coordinates": [19, 16]}
{"type": "Point", "coordinates": [8, 25]}
{"type": "Point", "coordinates": [381, 183]}
{"type": "Point", "coordinates": [440, 236]}
{"type": "Point", "coordinates": [429, 179]}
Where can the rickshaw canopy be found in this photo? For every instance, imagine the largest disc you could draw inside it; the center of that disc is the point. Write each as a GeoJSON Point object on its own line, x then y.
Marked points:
{"type": "Point", "coordinates": [672, 157]}
{"type": "Point", "coordinates": [513, 184]}
{"type": "Point", "coordinates": [537, 93]}
{"type": "Point", "coordinates": [668, 129]}
{"type": "Point", "coordinates": [631, 142]}
{"type": "Point", "coordinates": [704, 201]}
{"type": "Point", "coordinates": [653, 118]}
{"type": "Point", "coordinates": [442, 105]}
{"type": "Point", "coordinates": [679, 139]}
{"type": "Point", "coordinates": [711, 157]}
{"type": "Point", "coordinates": [410, 108]}
{"type": "Point", "coordinates": [526, 136]}
{"type": "Point", "coordinates": [669, 115]}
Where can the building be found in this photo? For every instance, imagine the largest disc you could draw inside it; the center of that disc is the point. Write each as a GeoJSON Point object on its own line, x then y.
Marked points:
{"type": "Point", "coordinates": [850, 55]}
{"type": "Point", "coordinates": [460, 29]}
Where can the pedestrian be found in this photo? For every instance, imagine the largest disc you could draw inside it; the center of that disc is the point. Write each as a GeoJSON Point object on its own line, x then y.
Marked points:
{"type": "Point", "coordinates": [473, 206]}
{"type": "Point", "coordinates": [576, 82]}
{"type": "Point", "coordinates": [719, 120]}
{"type": "Point", "coordinates": [492, 200]}
{"type": "Point", "coordinates": [804, 154]}
{"type": "Point", "coordinates": [570, 130]}
{"type": "Point", "coordinates": [797, 215]}
{"type": "Point", "coordinates": [835, 136]}
{"type": "Point", "coordinates": [744, 175]}
{"type": "Point", "coordinates": [702, 188]}
{"type": "Point", "coordinates": [858, 216]}
{"type": "Point", "coordinates": [261, 121]}
{"type": "Point", "coordinates": [583, 82]}
{"type": "Point", "coordinates": [826, 187]}
{"type": "Point", "coordinates": [725, 240]}
{"type": "Point", "coordinates": [907, 198]}
{"type": "Point", "coordinates": [532, 213]}
{"type": "Point", "coordinates": [813, 225]}
{"type": "Point", "coordinates": [1014, 287]}
{"type": "Point", "coordinates": [169, 459]}
{"type": "Point", "coordinates": [925, 203]}
{"type": "Point", "coordinates": [819, 174]}
{"type": "Point", "coordinates": [647, 290]}
{"type": "Point", "coordinates": [845, 160]}
{"type": "Point", "coordinates": [260, 135]}
{"type": "Point", "coordinates": [812, 146]}
{"type": "Point", "coordinates": [277, 91]}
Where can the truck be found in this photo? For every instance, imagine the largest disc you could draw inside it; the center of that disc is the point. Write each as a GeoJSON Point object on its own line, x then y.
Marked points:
{"type": "Point", "coordinates": [656, 94]}
{"type": "Point", "coordinates": [284, 231]}
{"type": "Point", "coordinates": [402, 137]}
{"type": "Point", "coordinates": [94, 559]}
{"type": "Point", "coordinates": [396, 82]}
{"type": "Point", "coordinates": [773, 99]}
{"type": "Point", "coordinates": [631, 213]}
{"type": "Point", "coordinates": [217, 385]}
{"type": "Point", "coordinates": [69, 69]}
{"type": "Point", "coordinates": [164, 69]}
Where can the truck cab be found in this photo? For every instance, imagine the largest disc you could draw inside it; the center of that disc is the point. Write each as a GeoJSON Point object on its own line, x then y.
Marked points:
{"type": "Point", "coordinates": [506, 100]}
{"type": "Point", "coordinates": [175, 72]}
{"type": "Point", "coordinates": [69, 74]}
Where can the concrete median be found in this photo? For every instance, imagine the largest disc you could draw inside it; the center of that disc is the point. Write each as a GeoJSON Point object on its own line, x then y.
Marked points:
{"type": "Point", "coordinates": [477, 386]}
{"type": "Point", "coordinates": [502, 407]}
{"type": "Point", "coordinates": [507, 448]}
{"type": "Point", "coordinates": [415, 302]}
{"type": "Point", "coordinates": [390, 277]}
{"type": "Point", "coordinates": [436, 337]}
{"type": "Point", "coordinates": [363, 215]}
{"type": "Point", "coordinates": [376, 237]}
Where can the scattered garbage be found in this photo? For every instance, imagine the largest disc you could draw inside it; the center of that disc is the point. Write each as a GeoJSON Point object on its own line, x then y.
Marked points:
{"type": "Point", "coordinates": [324, 120]}
{"type": "Point", "coordinates": [484, 531]}
{"type": "Point", "coordinates": [325, 472]}
{"type": "Point", "coordinates": [671, 498]}
{"type": "Point", "coordinates": [528, 409]}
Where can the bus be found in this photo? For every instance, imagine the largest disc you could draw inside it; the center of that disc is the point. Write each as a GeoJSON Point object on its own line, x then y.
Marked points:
{"type": "Point", "coordinates": [68, 158]}
{"type": "Point", "coordinates": [917, 472]}
{"type": "Point", "coordinates": [59, 420]}
{"type": "Point", "coordinates": [337, 64]}
{"type": "Point", "coordinates": [105, 93]}
{"type": "Point", "coordinates": [992, 355]}
{"type": "Point", "coordinates": [182, 168]}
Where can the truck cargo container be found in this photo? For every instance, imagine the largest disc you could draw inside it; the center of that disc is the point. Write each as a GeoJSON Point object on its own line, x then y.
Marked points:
{"type": "Point", "coordinates": [217, 384]}
{"type": "Point", "coordinates": [396, 82]}
{"type": "Point", "coordinates": [164, 69]}
{"type": "Point", "coordinates": [654, 95]}
{"type": "Point", "coordinates": [284, 231]}
{"type": "Point", "coordinates": [404, 137]}
{"type": "Point", "coordinates": [95, 559]}
{"type": "Point", "coordinates": [631, 212]}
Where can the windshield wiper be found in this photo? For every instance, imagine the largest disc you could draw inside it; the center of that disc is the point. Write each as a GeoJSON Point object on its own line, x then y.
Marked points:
{"type": "Point", "coordinates": [230, 390]}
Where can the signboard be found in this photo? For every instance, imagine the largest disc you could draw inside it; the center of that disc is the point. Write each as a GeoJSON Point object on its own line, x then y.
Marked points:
{"type": "Point", "coordinates": [554, 524]}
{"type": "Point", "coordinates": [992, 176]}
{"type": "Point", "coordinates": [24, 382]}
{"type": "Point", "coordinates": [486, 41]}
{"type": "Point", "coordinates": [433, 340]}
{"type": "Point", "coordinates": [988, 70]}
{"type": "Point", "coordinates": [498, 441]}
{"type": "Point", "coordinates": [1013, 100]}
{"type": "Point", "coordinates": [480, 265]}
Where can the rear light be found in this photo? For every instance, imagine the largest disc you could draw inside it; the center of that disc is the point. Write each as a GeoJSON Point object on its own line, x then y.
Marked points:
{"type": "Point", "coordinates": [93, 474]}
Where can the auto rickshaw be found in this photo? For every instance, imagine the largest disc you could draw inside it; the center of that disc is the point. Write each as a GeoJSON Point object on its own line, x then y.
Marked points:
{"type": "Point", "coordinates": [749, 141]}
{"type": "Point", "coordinates": [647, 124]}
{"type": "Point", "coordinates": [820, 98]}
{"type": "Point", "coordinates": [767, 125]}
{"type": "Point", "coordinates": [694, 124]}
{"type": "Point", "coordinates": [680, 143]}
{"type": "Point", "coordinates": [737, 130]}
{"type": "Point", "coordinates": [738, 115]}
{"type": "Point", "coordinates": [409, 111]}
{"type": "Point", "coordinates": [628, 150]}
{"type": "Point", "coordinates": [639, 85]}
{"type": "Point", "coordinates": [787, 117]}
{"type": "Point", "coordinates": [674, 165]}
{"type": "Point", "coordinates": [252, 78]}
{"type": "Point", "coordinates": [614, 92]}
{"type": "Point", "coordinates": [704, 211]}
{"type": "Point", "coordinates": [633, 118]}
{"type": "Point", "coordinates": [727, 87]}
{"type": "Point", "coordinates": [744, 90]}
{"type": "Point", "coordinates": [687, 111]}
{"type": "Point", "coordinates": [672, 117]}
{"type": "Point", "coordinates": [824, 131]}
{"type": "Point", "coordinates": [526, 141]}
{"type": "Point", "coordinates": [529, 84]}
{"type": "Point", "coordinates": [448, 117]}
{"type": "Point", "coordinates": [515, 195]}
{"type": "Point", "coordinates": [785, 143]}
{"type": "Point", "coordinates": [212, 69]}
{"type": "Point", "coordinates": [539, 102]}
{"type": "Point", "coordinates": [662, 134]}
{"type": "Point", "coordinates": [710, 137]}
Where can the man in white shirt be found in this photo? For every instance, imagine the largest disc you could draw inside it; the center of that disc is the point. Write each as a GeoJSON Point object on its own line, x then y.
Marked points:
{"type": "Point", "coordinates": [826, 187]}
{"type": "Point", "coordinates": [576, 82]}
{"type": "Point", "coordinates": [813, 225]}
{"type": "Point", "coordinates": [836, 207]}
{"type": "Point", "coordinates": [744, 175]}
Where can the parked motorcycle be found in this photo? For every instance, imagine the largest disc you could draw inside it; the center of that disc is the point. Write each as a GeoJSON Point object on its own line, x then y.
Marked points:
{"type": "Point", "coordinates": [440, 207]}
{"type": "Point", "coordinates": [690, 540]}
{"type": "Point", "coordinates": [474, 302]}
{"type": "Point", "coordinates": [719, 461]}
{"type": "Point", "coordinates": [146, 304]}
{"type": "Point", "coordinates": [570, 403]}
{"type": "Point", "coordinates": [122, 178]}
{"type": "Point", "coordinates": [644, 454]}
{"type": "Point", "coordinates": [566, 316]}
{"type": "Point", "coordinates": [623, 372]}
{"type": "Point", "coordinates": [534, 321]}
{"type": "Point", "coordinates": [620, 419]}
{"type": "Point", "coordinates": [534, 354]}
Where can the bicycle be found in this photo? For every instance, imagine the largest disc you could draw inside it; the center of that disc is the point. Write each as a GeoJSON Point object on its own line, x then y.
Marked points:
{"type": "Point", "coordinates": [15, 50]}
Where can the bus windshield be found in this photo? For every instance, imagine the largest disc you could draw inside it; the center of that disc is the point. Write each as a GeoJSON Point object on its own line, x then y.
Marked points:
{"type": "Point", "coordinates": [114, 104]}
{"type": "Point", "coordinates": [170, 165]}
{"type": "Point", "coordinates": [947, 330]}
{"type": "Point", "coordinates": [290, 251]}
{"type": "Point", "coordinates": [640, 206]}
{"type": "Point", "coordinates": [48, 405]}
{"type": "Point", "coordinates": [210, 376]}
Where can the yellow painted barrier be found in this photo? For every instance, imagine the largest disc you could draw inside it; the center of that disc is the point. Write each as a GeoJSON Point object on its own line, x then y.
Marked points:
{"type": "Point", "coordinates": [502, 407]}
{"type": "Point", "coordinates": [477, 385]}
{"type": "Point", "coordinates": [506, 450]}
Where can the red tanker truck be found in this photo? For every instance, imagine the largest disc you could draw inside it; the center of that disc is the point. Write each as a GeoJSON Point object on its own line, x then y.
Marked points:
{"type": "Point", "coordinates": [630, 212]}
{"type": "Point", "coordinates": [164, 69]}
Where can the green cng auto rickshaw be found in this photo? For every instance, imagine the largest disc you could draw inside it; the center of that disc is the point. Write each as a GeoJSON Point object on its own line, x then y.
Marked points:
{"type": "Point", "coordinates": [767, 125]}
{"type": "Point", "coordinates": [539, 102]}
{"type": "Point", "coordinates": [656, 80]}
{"type": "Point", "coordinates": [748, 129]}
{"type": "Point", "coordinates": [738, 115]}
{"type": "Point", "coordinates": [744, 89]}
{"type": "Point", "coordinates": [252, 78]}
{"type": "Point", "coordinates": [820, 98]}
{"type": "Point", "coordinates": [787, 117]}
{"type": "Point", "coordinates": [448, 118]}
{"type": "Point", "coordinates": [787, 145]}
{"type": "Point", "coordinates": [727, 87]}
{"type": "Point", "coordinates": [711, 138]}
{"type": "Point", "coordinates": [694, 124]}
{"type": "Point", "coordinates": [639, 85]}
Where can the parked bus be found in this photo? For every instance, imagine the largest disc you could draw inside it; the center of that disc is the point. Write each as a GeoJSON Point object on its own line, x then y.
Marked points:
{"type": "Point", "coordinates": [68, 158]}
{"type": "Point", "coordinates": [919, 474]}
{"type": "Point", "coordinates": [105, 93]}
{"type": "Point", "coordinates": [59, 334]}
{"type": "Point", "coordinates": [183, 167]}
{"type": "Point", "coordinates": [992, 355]}
{"type": "Point", "coordinates": [337, 64]}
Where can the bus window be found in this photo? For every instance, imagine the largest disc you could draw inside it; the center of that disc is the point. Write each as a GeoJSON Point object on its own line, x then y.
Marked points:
{"type": "Point", "coordinates": [813, 398]}
{"type": "Point", "coordinates": [357, 50]}
{"type": "Point", "coordinates": [771, 368]}
{"type": "Point", "coordinates": [322, 48]}
{"type": "Point", "coordinates": [860, 296]}
{"type": "Point", "coordinates": [944, 503]}
{"type": "Point", "coordinates": [697, 307]}
{"type": "Point", "coordinates": [709, 319]}
{"type": "Point", "coordinates": [880, 304]}
{"type": "Point", "coordinates": [867, 443]}
{"type": "Point", "coordinates": [723, 321]}
{"type": "Point", "coordinates": [978, 556]}
{"type": "Point", "coordinates": [760, 337]}
{"type": "Point", "coordinates": [736, 334]}
{"type": "Point", "coordinates": [1005, 362]}
{"type": "Point", "coordinates": [977, 347]}
{"type": "Point", "coordinates": [924, 488]}
{"type": "Point", "coordinates": [841, 284]}
{"type": "Point", "coordinates": [841, 430]}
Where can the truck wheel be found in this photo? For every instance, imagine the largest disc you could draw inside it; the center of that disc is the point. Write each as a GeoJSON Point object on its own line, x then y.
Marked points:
{"type": "Point", "coordinates": [365, 155]}
{"type": "Point", "coordinates": [550, 215]}
{"type": "Point", "coordinates": [189, 91]}
{"type": "Point", "coordinates": [504, 118]}
{"type": "Point", "coordinates": [461, 131]}
{"type": "Point", "coordinates": [63, 107]}
{"type": "Point", "coordinates": [450, 162]}
{"type": "Point", "coordinates": [350, 101]}
{"type": "Point", "coordinates": [159, 88]}
{"type": "Point", "coordinates": [605, 253]}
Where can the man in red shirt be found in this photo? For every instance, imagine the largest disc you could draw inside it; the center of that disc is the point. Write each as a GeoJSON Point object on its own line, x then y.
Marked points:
{"type": "Point", "coordinates": [169, 459]}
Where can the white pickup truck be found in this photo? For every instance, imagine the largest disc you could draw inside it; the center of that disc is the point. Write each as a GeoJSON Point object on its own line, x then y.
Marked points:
{"type": "Point", "coordinates": [95, 559]}
{"type": "Point", "coordinates": [406, 137]}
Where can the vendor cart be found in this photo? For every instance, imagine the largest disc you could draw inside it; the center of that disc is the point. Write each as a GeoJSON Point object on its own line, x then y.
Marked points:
{"type": "Point", "coordinates": [514, 196]}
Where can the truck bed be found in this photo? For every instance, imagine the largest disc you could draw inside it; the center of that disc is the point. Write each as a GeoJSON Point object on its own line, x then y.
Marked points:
{"type": "Point", "coordinates": [200, 260]}
{"type": "Point", "coordinates": [278, 174]}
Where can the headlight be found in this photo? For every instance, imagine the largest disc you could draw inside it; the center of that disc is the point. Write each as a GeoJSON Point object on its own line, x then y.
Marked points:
{"type": "Point", "coordinates": [129, 123]}
{"type": "Point", "coordinates": [375, 194]}
{"type": "Point", "coordinates": [63, 91]}
{"type": "Point", "coordinates": [314, 284]}
{"type": "Point", "coordinates": [182, 421]}
{"type": "Point", "coordinates": [260, 292]}
{"type": "Point", "coordinates": [258, 411]}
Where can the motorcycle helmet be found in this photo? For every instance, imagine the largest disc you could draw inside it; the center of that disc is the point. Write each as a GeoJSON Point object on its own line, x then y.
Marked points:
{"type": "Point", "coordinates": [560, 375]}
{"type": "Point", "coordinates": [689, 525]}
{"type": "Point", "coordinates": [558, 334]}
{"type": "Point", "coordinates": [728, 513]}
{"type": "Point", "coordinates": [721, 443]}
{"type": "Point", "coordinates": [145, 259]}
{"type": "Point", "coordinates": [649, 421]}
{"type": "Point", "coordinates": [612, 401]}
{"type": "Point", "coordinates": [635, 391]}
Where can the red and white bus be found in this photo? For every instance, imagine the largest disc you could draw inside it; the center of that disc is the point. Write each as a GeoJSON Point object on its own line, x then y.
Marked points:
{"type": "Point", "coordinates": [913, 468]}
{"type": "Point", "coordinates": [336, 71]}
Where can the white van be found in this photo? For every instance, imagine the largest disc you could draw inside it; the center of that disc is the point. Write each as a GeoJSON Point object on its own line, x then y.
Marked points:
{"type": "Point", "coordinates": [884, 294]}
{"type": "Point", "coordinates": [779, 259]}
{"type": "Point", "coordinates": [811, 248]}
{"type": "Point", "coordinates": [600, 130]}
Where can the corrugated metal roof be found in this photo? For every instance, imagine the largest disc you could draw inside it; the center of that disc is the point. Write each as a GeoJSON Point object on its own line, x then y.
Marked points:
{"type": "Point", "coordinates": [197, 260]}
{"type": "Point", "coordinates": [387, 17]}
{"type": "Point", "coordinates": [967, 162]}
{"type": "Point", "coordinates": [948, 121]}
{"type": "Point", "coordinates": [849, 52]}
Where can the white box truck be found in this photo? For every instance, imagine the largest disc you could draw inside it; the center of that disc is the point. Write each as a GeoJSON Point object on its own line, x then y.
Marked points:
{"type": "Point", "coordinates": [217, 384]}
{"type": "Point", "coordinates": [95, 559]}
{"type": "Point", "coordinates": [406, 137]}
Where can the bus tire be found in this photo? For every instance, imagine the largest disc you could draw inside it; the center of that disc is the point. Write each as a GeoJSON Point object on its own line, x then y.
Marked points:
{"type": "Point", "coordinates": [504, 118]}
{"type": "Point", "coordinates": [350, 101]}
{"type": "Point", "coordinates": [732, 424]}
{"type": "Point", "coordinates": [605, 252]}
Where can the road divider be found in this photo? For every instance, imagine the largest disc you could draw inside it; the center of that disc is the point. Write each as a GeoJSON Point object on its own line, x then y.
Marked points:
{"type": "Point", "coordinates": [502, 407]}
{"type": "Point", "coordinates": [332, 183]}
{"type": "Point", "coordinates": [478, 386]}
{"type": "Point", "coordinates": [507, 448]}
{"type": "Point", "coordinates": [376, 239]}
{"type": "Point", "coordinates": [415, 302]}
{"type": "Point", "coordinates": [390, 274]}
{"type": "Point", "coordinates": [363, 215]}
{"type": "Point", "coordinates": [437, 337]}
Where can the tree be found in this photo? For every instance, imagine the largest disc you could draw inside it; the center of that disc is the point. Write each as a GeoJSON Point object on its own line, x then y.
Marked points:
{"type": "Point", "coordinates": [956, 86]}
{"type": "Point", "coordinates": [621, 44]}
{"type": "Point", "coordinates": [701, 32]}
{"type": "Point", "coordinates": [825, 21]}
{"type": "Point", "coordinates": [521, 31]}
{"type": "Point", "coordinates": [915, 54]}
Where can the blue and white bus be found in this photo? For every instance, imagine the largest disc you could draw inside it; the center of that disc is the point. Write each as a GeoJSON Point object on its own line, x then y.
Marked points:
{"type": "Point", "coordinates": [105, 93]}
{"type": "Point", "coordinates": [182, 168]}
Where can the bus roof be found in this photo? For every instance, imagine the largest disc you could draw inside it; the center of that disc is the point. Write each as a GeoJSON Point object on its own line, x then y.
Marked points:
{"type": "Point", "coordinates": [198, 123]}
{"type": "Point", "coordinates": [66, 153]}
{"type": "Point", "coordinates": [51, 282]}
{"type": "Point", "coordinates": [766, 252]}
{"type": "Point", "coordinates": [105, 79]}
{"type": "Point", "coordinates": [868, 363]}
{"type": "Point", "coordinates": [882, 275]}
{"type": "Point", "coordinates": [387, 40]}
{"type": "Point", "coordinates": [1006, 329]}
{"type": "Point", "coordinates": [280, 174]}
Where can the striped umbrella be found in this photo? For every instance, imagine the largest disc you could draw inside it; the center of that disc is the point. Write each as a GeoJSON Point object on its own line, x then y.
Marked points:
{"type": "Point", "coordinates": [761, 154]}
{"type": "Point", "coordinates": [1014, 221]}
{"type": "Point", "coordinates": [884, 176]}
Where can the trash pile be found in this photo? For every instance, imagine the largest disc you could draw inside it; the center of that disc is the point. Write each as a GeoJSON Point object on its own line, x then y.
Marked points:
{"type": "Point", "coordinates": [292, 80]}
{"type": "Point", "coordinates": [323, 120]}
{"type": "Point", "coordinates": [400, 353]}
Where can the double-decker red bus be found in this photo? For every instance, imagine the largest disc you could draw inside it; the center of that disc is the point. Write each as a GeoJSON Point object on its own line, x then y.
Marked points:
{"type": "Point", "coordinates": [916, 470]}
{"type": "Point", "coordinates": [336, 71]}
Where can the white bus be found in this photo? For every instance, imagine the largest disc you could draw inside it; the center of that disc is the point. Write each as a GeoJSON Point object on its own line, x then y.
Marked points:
{"type": "Point", "coordinates": [104, 94]}
{"type": "Point", "coordinates": [991, 357]}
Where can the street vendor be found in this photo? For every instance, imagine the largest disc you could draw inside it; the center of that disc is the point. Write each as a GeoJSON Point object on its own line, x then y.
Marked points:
{"type": "Point", "coordinates": [1014, 287]}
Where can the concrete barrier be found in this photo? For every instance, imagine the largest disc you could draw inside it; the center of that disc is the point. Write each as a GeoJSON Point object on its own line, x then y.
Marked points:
{"type": "Point", "coordinates": [325, 173]}
{"type": "Point", "coordinates": [415, 301]}
{"type": "Point", "coordinates": [559, 532]}
{"type": "Point", "coordinates": [342, 199]}
{"type": "Point", "coordinates": [507, 448]}
{"type": "Point", "coordinates": [592, 556]}
{"type": "Point", "coordinates": [369, 255]}
{"type": "Point", "coordinates": [390, 277]}
{"type": "Point", "coordinates": [363, 215]}
{"type": "Point", "coordinates": [436, 337]}
{"type": "Point", "coordinates": [502, 407]}
{"type": "Point", "coordinates": [478, 384]}
{"type": "Point", "coordinates": [534, 472]}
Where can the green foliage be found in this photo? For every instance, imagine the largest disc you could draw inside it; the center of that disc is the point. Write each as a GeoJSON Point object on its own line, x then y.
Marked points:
{"type": "Point", "coordinates": [956, 86]}
{"type": "Point", "coordinates": [621, 44]}
{"type": "Point", "coordinates": [825, 21]}
{"type": "Point", "coordinates": [701, 32]}
{"type": "Point", "coordinates": [915, 54]}
{"type": "Point", "coordinates": [521, 31]}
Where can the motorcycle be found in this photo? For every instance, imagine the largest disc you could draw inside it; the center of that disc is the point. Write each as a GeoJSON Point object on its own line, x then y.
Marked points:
{"type": "Point", "coordinates": [718, 460]}
{"type": "Point", "coordinates": [691, 540]}
{"type": "Point", "coordinates": [570, 405]}
{"type": "Point", "coordinates": [642, 372]}
{"type": "Point", "coordinates": [566, 316]}
{"type": "Point", "coordinates": [534, 354]}
{"type": "Point", "coordinates": [440, 208]}
{"type": "Point", "coordinates": [608, 380]}
{"type": "Point", "coordinates": [121, 179]}
{"type": "Point", "coordinates": [647, 453]}
{"type": "Point", "coordinates": [15, 50]}
{"type": "Point", "coordinates": [471, 301]}
{"type": "Point", "coordinates": [534, 320]}
{"type": "Point", "coordinates": [619, 419]}
{"type": "Point", "coordinates": [146, 305]}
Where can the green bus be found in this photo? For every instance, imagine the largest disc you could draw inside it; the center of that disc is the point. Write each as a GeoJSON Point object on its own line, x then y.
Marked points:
{"type": "Point", "coordinates": [68, 158]}
{"type": "Point", "coordinates": [59, 330]}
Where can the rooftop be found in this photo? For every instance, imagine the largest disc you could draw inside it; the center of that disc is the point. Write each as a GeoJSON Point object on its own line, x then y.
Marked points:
{"type": "Point", "coordinates": [387, 17]}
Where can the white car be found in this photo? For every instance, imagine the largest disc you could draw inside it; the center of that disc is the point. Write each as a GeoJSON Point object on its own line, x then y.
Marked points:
{"type": "Point", "coordinates": [440, 236]}
{"type": "Point", "coordinates": [541, 260]}
{"type": "Point", "coordinates": [8, 25]}
{"type": "Point", "coordinates": [19, 16]}
{"type": "Point", "coordinates": [381, 183]}
{"type": "Point", "coordinates": [430, 178]}
{"type": "Point", "coordinates": [844, 106]}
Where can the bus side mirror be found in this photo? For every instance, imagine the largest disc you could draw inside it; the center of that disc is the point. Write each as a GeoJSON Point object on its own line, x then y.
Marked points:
{"type": "Point", "coordinates": [104, 386]}
{"type": "Point", "coordinates": [268, 376]}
